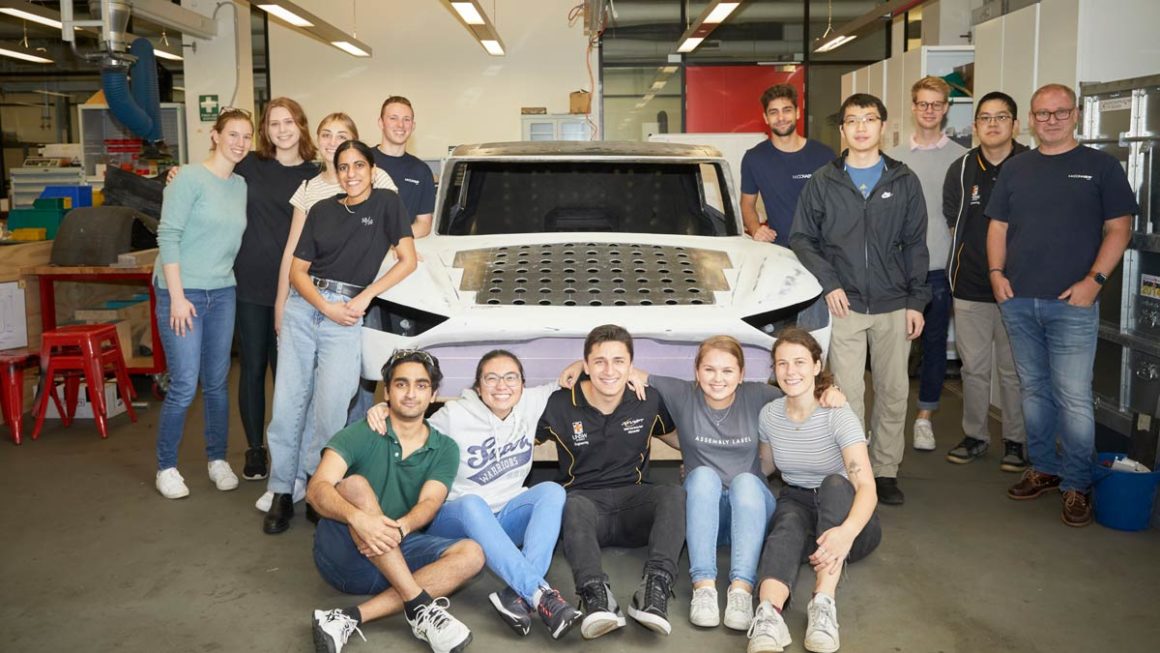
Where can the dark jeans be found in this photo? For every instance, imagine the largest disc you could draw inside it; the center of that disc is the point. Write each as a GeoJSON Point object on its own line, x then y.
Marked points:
{"type": "Point", "coordinates": [629, 516]}
{"type": "Point", "coordinates": [257, 349]}
{"type": "Point", "coordinates": [937, 317]}
{"type": "Point", "coordinates": [801, 516]}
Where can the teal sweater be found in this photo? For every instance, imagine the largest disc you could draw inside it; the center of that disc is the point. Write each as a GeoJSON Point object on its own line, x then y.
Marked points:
{"type": "Point", "coordinates": [202, 220]}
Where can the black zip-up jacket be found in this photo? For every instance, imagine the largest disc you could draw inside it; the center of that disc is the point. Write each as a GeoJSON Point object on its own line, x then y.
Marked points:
{"type": "Point", "coordinates": [873, 248]}
{"type": "Point", "coordinates": [966, 191]}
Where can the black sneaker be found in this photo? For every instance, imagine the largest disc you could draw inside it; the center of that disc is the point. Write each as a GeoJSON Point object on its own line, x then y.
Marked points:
{"type": "Point", "coordinates": [556, 613]}
{"type": "Point", "coordinates": [256, 467]}
{"type": "Point", "coordinates": [650, 604]}
{"type": "Point", "coordinates": [331, 629]}
{"type": "Point", "coordinates": [512, 609]}
{"type": "Point", "coordinates": [967, 450]}
{"type": "Point", "coordinates": [601, 613]}
{"type": "Point", "coordinates": [888, 492]}
{"type": "Point", "coordinates": [1014, 459]}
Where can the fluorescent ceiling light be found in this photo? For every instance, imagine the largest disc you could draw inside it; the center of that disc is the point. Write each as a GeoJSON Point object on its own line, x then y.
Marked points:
{"type": "Point", "coordinates": [16, 54]}
{"type": "Point", "coordinates": [690, 44]}
{"type": "Point", "coordinates": [27, 15]}
{"type": "Point", "coordinates": [721, 12]}
{"type": "Point", "coordinates": [669, 70]}
{"type": "Point", "coordinates": [469, 12]}
{"type": "Point", "coordinates": [286, 15]}
{"type": "Point", "coordinates": [493, 47]}
{"type": "Point", "coordinates": [658, 85]}
{"type": "Point", "coordinates": [165, 54]}
{"type": "Point", "coordinates": [834, 43]}
{"type": "Point", "coordinates": [350, 48]}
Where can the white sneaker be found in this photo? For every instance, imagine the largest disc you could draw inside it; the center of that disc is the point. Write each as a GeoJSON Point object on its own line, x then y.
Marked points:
{"type": "Point", "coordinates": [222, 476]}
{"type": "Point", "coordinates": [923, 435]}
{"type": "Point", "coordinates": [768, 632]}
{"type": "Point", "coordinates": [738, 609]}
{"type": "Point", "coordinates": [435, 625]}
{"type": "Point", "coordinates": [822, 631]}
{"type": "Point", "coordinates": [171, 485]}
{"type": "Point", "coordinates": [263, 503]}
{"type": "Point", "coordinates": [331, 629]}
{"type": "Point", "coordinates": [703, 611]}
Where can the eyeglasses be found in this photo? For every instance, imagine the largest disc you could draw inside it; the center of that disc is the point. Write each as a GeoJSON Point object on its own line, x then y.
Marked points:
{"type": "Point", "coordinates": [511, 379]}
{"type": "Point", "coordinates": [868, 119]}
{"type": "Point", "coordinates": [997, 119]}
{"type": "Point", "coordinates": [924, 106]}
{"type": "Point", "coordinates": [1060, 115]}
{"type": "Point", "coordinates": [404, 354]}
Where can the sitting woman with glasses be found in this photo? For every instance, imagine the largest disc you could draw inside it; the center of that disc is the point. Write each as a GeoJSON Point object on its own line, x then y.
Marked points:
{"type": "Point", "coordinates": [728, 500]}
{"type": "Point", "coordinates": [494, 423]}
{"type": "Point", "coordinates": [202, 220]}
{"type": "Point", "coordinates": [826, 511]}
{"type": "Point", "coordinates": [342, 246]}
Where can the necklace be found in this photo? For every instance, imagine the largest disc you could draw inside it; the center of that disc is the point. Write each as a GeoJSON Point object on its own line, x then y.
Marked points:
{"type": "Point", "coordinates": [345, 206]}
{"type": "Point", "coordinates": [718, 421]}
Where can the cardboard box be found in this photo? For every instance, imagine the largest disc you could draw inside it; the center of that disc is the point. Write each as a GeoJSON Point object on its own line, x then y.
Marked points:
{"type": "Point", "coordinates": [580, 102]}
{"type": "Point", "coordinates": [113, 404]}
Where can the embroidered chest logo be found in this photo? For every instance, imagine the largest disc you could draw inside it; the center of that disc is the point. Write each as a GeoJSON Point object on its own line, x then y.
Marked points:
{"type": "Point", "coordinates": [887, 194]}
{"type": "Point", "coordinates": [411, 181]}
{"type": "Point", "coordinates": [975, 197]}
{"type": "Point", "coordinates": [805, 176]}
{"type": "Point", "coordinates": [368, 221]}
{"type": "Point", "coordinates": [579, 437]}
{"type": "Point", "coordinates": [1083, 177]}
{"type": "Point", "coordinates": [632, 426]}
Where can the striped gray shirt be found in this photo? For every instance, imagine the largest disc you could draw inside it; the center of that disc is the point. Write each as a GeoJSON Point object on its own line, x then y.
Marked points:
{"type": "Point", "coordinates": [809, 451]}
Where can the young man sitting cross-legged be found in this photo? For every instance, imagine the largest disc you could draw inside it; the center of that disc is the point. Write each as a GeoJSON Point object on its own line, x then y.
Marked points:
{"type": "Point", "coordinates": [374, 494]}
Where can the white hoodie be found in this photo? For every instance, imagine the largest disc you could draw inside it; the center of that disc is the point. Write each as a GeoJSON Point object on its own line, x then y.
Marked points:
{"type": "Point", "coordinates": [495, 455]}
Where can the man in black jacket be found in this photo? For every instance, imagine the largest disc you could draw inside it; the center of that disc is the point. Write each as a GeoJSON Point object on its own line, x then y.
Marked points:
{"type": "Point", "coordinates": [860, 228]}
{"type": "Point", "coordinates": [978, 325]}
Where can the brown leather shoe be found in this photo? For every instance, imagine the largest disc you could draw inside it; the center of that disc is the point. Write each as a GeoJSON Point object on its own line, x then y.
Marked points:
{"type": "Point", "coordinates": [1032, 485]}
{"type": "Point", "coordinates": [1077, 508]}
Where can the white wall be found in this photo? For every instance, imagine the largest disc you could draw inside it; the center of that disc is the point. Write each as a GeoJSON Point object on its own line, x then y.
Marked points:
{"type": "Point", "coordinates": [460, 93]}
{"type": "Point", "coordinates": [1118, 40]}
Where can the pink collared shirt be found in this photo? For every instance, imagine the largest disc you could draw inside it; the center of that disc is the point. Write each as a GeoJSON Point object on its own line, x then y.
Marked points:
{"type": "Point", "coordinates": [938, 145]}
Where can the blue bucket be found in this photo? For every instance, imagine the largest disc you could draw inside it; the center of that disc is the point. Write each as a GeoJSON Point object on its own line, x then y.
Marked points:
{"type": "Point", "coordinates": [1123, 500]}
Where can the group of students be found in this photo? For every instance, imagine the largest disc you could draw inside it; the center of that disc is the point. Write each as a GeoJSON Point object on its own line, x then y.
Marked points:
{"type": "Point", "coordinates": [411, 508]}
{"type": "Point", "coordinates": [236, 247]}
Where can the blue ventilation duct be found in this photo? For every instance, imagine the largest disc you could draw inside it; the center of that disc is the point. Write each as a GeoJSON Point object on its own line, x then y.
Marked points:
{"type": "Point", "coordinates": [139, 107]}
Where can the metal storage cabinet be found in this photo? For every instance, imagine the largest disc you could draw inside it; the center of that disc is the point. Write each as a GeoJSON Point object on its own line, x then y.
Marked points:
{"type": "Point", "coordinates": [1123, 119]}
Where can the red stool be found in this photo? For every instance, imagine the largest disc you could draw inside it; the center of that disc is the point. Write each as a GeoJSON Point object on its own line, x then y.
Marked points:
{"type": "Point", "coordinates": [88, 351]}
{"type": "Point", "coordinates": [12, 364]}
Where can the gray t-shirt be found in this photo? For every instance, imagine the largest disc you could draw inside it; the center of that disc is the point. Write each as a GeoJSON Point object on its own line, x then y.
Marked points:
{"type": "Point", "coordinates": [725, 440]}
{"type": "Point", "coordinates": [809, 451]}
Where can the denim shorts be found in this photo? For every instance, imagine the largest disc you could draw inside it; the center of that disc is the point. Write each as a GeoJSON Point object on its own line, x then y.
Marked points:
{"type": "Point", "coordinates": [349, 571]}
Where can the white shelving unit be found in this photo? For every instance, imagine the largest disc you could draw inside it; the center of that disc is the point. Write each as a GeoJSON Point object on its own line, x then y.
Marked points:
{"type": "Point", "coordinates": [555, 127]}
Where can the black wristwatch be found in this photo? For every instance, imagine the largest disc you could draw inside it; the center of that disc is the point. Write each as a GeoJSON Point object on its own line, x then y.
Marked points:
{"type": "Point", "coordinates": [1099, 277]}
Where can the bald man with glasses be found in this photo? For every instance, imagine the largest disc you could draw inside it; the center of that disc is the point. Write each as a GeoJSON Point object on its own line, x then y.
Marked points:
{"type": "Point", "coordinates": [1060, 221]}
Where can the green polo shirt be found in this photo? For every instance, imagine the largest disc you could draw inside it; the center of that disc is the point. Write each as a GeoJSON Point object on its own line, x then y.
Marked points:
{"type": "Point", "coordinates": [396, 481]}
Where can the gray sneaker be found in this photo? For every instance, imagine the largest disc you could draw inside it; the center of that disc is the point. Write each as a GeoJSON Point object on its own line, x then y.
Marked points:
{"type": "Point", "coordinates": [822, 625]}
{"type": "Point", "coordinates": [738, 609]}
{"type": "Point", "coordinates": [1014, 459]}
{"type": "Point", "coordinates": [967, 450]}
{"type": "Point", "coordinates": [768, 632]}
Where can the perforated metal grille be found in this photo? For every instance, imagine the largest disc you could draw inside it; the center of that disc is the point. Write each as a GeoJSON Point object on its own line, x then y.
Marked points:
{"type": "Point", "coordinates": [593, 274]}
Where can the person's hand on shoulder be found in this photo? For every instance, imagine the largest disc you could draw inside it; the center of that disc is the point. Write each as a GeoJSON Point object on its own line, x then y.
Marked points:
{"type": "Point", "coordinates": [377, 418]}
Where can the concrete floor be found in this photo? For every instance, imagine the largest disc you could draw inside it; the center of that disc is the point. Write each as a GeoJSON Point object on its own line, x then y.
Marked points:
{"type": "Point", "coordinates": [94, 559]}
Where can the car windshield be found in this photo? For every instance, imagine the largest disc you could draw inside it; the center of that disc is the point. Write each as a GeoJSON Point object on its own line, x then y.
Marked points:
{"type": "Point", "coordinates": [511, 197]}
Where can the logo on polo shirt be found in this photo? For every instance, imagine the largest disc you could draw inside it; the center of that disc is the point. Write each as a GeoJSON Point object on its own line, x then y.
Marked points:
{"type": "Point", "coordinates": [975, 197]}
{"type": "Point", "coordinates": [805, 176]}
{"type": "Point", "coordinates": [368, 221]}
{"type": "Point", "coordinates": [411, 181]}
{"type": "Point", "coordinates": [579, 437]}
{"type": "Point", "coordinates": [1084, 177]}
{"type": "Point", "coordinates": [633, 425]}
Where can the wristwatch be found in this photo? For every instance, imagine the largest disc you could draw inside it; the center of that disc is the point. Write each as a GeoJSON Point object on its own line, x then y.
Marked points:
{"type": "Point", "coordinates": [1099, 277]}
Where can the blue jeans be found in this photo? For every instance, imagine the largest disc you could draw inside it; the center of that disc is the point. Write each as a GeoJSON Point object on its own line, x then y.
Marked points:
{"type": "Point", "coordinates": [531, 520]}
{"type": "Point", "coordinates": [364, 396]}
{"type": "Point", "coordinates": [1055, 348]}
{"type": "Point", "coordinates": [718, 516]}
{"type": "Point", "coordinates": [202, 353]}
{"type": "Point", "coordinates": [318, 370]}
{"type": "Point", "coordinates": [350, 572]}
{"type": "Point", "coordinates": [937, 320]}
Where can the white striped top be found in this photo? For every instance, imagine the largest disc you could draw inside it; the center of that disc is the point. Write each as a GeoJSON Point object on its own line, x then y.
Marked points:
{"type": "Point", "coordinates": [312, 191]}
{"type": "Point", "coordinates": [809, 451]}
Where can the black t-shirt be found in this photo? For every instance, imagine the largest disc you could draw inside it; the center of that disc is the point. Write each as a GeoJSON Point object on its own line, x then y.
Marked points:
{"type": "Point", "coordinates": [348, 244]}
{"type": "Point", "coordinates": [269, 186]}
{"type": "Point", "coordinates": [969, 268]}
{"type": "Point", "coordinates": [413, 177]}
{"type": "Point", "coordinates": [602, 451]}
{"type": "Point", "coordinates": [1055, 207]}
